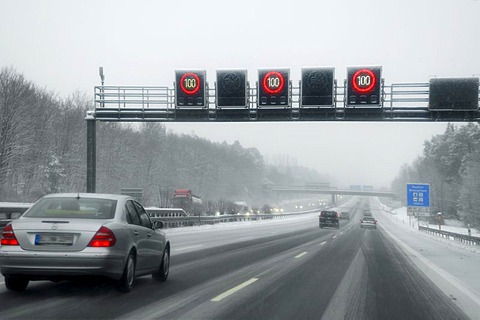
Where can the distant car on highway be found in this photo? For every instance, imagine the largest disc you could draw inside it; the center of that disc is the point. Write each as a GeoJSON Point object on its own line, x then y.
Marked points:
{"type": "Point", "coordinates": [65, 236]}
{"type": "Point", "coordinates": [345, 215]}
{"type": "Point", "coordinates": [329, 218]}
{"type": "Point", "coordinates": [368, 222]}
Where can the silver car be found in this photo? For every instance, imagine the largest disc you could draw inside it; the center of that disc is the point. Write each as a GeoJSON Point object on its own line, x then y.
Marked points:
{"type": "Point", "coordinates": [368, 222]}
{"type": "Point", "coordinates": [63, 236]}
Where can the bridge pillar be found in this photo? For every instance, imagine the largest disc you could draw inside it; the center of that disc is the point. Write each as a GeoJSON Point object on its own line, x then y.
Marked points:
{"type": "Point", "coordinates": [334, 199]}
{"type": "Point", "coordinates": [91, 154]}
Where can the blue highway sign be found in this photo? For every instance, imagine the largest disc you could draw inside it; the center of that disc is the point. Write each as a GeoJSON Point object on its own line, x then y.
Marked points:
{"type": "Point", "coordinates": [418, 195]}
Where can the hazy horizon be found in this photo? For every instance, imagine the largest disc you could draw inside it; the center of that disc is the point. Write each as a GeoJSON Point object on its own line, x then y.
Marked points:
{"type": "Point", "coordinates": [59, 45]}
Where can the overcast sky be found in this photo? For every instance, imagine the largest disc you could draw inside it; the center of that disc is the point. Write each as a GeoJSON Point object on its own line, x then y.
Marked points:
{"type": "Point", "coordinates": [60, 44]}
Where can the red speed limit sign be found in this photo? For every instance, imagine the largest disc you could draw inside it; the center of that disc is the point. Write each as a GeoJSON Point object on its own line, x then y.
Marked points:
{"type": "Point", "coordinates": [364, 86]}
{"type": "Point", "coordinates": [273, 87]}
{"type": "Point", "coordinates": [190, 88]}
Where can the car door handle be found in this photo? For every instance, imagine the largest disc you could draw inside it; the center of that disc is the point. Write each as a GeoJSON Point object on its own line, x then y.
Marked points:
{"type": "Point", "coordinates": [149, 234]}
{"type": "Point", "coordinates": [135, 233]}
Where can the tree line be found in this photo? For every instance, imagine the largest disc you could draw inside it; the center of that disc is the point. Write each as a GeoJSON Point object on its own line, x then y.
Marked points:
{"type": "Point", "coordinates": [43, 150]}
{"type": "Point", "coordinates": [451, 165]}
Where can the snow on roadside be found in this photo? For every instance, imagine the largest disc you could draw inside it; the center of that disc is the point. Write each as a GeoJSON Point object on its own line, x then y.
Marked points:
{"type": "Point", "coordinates": [400, 217]}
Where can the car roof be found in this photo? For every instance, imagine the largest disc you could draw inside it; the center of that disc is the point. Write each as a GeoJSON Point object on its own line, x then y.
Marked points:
{"type": "Point", "coordinates": [88, 195]}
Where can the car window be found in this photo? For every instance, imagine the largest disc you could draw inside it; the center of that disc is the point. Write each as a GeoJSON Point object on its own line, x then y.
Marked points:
{"type": "Point", "coordinates": [144, 218]}
{"type": "Point", "coordinates": [132, 215]}
{"type": "Point", "coordinates": [329, 214]}
{"type": "Point", "coordinates": [73, 208]}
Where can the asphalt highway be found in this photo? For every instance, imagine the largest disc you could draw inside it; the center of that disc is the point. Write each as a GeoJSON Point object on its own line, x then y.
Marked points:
{"type": "Point", "coordinates": [278, 270]}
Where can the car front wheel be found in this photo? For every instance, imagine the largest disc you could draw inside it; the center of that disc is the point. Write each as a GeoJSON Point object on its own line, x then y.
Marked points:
{"type": "Point", "coordinates": [162, 274]}
{"type": "Point", "coordinates": [15, 283]}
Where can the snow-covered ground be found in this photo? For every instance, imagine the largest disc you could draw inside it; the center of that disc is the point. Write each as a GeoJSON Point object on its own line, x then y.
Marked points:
{"type": "Point", "coordinates": [453, 266]}
{"type": "Point", "coordinates": [400, 216]}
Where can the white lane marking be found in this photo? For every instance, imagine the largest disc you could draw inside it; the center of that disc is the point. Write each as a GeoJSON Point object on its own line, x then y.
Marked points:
{"type": "Point", "coordinates": [227, 293]}
{"type": "Point", "coordinates": [189, 247]}
{"type": "Point", "coordinates": [323, 243]}
{"type": "Point", "coordinates": [334, 237]}
{"type": "Point", "coordinates": [300, 255]}
{"type": "Point", "coordinates": [341, 233]}
{"type": "Point", "coordinates": [246, 238]}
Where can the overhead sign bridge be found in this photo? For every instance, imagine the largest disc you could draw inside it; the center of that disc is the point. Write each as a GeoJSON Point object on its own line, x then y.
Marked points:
{"type": "Point", "coordinates": [332, 191]}
{"type": "Point", "coordinates": [318, 96]}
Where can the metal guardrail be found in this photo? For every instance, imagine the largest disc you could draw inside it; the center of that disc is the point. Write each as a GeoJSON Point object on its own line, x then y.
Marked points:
{"type": "Point", "coordinates": [456, 236]}
{"type": "Point", "coordinates": [175, 222]}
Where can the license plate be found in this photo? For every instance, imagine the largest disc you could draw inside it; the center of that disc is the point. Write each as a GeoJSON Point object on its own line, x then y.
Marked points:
{"type": "Point", "coordinates": [56, 239]}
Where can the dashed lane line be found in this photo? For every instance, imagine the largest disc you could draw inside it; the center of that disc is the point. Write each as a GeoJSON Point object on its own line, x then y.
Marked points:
{"type": "Point", "coordinates": [227, 293]}
{"type": "Point", "coordinates": [189, 247]}
{"type": "Point", "coordinates": [300, 255]}
{"type": "Point", "coordinates": [323, 243]}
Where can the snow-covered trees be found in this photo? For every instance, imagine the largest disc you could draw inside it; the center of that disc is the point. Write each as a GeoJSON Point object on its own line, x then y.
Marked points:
{"type": "Point", "coordinates": [451, 165]}
{"type": "Point", "coordinates": [43, 150]}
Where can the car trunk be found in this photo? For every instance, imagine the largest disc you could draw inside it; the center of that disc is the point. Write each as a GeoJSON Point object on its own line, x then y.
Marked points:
{"type": "Point", "coordinates": [44, 234]}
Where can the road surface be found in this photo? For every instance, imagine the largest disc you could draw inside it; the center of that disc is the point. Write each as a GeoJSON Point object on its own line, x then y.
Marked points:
{"type": "Point", "coordinates": [282, 269]}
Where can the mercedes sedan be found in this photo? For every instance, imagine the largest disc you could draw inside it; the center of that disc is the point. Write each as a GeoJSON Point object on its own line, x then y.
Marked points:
{"type": "Point", "coordinates": [65, 236]}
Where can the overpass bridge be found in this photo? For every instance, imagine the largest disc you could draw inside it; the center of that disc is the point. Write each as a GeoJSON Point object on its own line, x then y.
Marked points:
{"type": "Point", "coordinates": [332, 191]}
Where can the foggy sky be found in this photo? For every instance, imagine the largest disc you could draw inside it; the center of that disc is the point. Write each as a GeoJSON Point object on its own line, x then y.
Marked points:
{"type": "Point", "coordinates": [60, 44]}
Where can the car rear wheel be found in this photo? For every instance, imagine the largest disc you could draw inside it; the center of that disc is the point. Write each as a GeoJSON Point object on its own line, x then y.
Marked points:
{"type": "Point", "coordinates": [125, 284]}
{"type": "Point", "coordinates": [16, 283]}
{"type": "Point", "coordinates": [164, 270]}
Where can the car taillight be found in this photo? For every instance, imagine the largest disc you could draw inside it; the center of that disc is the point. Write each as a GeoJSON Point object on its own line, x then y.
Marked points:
{"type": "Point", "coordinates": [8, 236]}
{"type": "Point", "coordinates": [103, 238]}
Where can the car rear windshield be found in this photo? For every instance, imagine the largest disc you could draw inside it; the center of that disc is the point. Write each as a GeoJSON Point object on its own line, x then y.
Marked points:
{"type": "Point", "coordinates": [329, 214]}
{"type": "Point", "coordinates": [73, 208]}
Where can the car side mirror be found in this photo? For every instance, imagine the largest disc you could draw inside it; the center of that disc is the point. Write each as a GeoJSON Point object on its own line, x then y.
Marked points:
{"type": "Point", "coordinates": [159, 225]}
